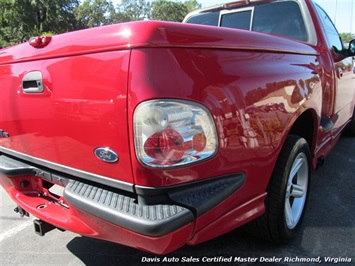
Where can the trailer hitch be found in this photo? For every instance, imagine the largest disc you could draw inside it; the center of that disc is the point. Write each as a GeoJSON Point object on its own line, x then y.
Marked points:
{"type": "Point", "coordinates": [42, 227]}
{"type": "Point", "coordinates": [21, 211]}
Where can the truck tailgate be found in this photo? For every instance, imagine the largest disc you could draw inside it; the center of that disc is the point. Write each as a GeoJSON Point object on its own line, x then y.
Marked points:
{"type": "Point", "coordinates": [68, 113]}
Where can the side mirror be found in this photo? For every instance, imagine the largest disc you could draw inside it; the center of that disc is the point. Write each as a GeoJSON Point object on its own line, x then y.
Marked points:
{"type": "Point", "coordinates": [351, 49]}
{"type": "Point", "coordinates": [339, 55]}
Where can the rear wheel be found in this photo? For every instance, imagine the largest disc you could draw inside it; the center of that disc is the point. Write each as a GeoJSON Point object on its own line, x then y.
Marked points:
{"type": "Point", "coordinates": [350, 130]}
{"type": "Point", "coordinates": [287, 193]}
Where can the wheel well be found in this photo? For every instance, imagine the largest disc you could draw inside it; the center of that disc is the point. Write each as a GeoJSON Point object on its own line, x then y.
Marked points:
{"type": "Point", "coordinates": [304, 127]}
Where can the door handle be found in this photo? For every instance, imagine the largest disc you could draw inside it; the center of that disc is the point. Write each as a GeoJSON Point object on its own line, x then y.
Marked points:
{"type": "Point", "coordinates": [32, 82]}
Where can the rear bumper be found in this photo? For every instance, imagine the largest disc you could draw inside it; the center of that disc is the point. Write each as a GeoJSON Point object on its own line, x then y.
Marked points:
{"type": "Point", "coordinates": [152, 220]}
{"type": "Point", "coordinates": [157, 220]}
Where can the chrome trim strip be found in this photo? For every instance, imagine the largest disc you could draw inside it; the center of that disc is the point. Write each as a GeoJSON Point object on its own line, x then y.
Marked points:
{"type": "Point", "coordinates": [70, 171]}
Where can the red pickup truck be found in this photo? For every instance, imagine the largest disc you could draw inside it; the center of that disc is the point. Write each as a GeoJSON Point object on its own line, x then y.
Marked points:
{"type": "Point", "coordinates": [155, 135]}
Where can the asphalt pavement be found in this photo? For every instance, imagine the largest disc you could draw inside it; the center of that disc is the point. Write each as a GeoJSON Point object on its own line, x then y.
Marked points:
{"type": "Point", "coordinates": [327, 234]}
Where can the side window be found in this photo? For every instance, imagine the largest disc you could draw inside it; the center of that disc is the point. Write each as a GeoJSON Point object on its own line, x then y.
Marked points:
{"type": "Point", "coordinates": [237, 20]}
{"type": "Point", "coordinates": [330, 30]}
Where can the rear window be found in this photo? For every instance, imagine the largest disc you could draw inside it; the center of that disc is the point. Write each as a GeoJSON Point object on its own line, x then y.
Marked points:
{"type": "Point", "coordinates": [278, 18]}
{"type": "Point", "coordinates": [238, 20]}
{"type": "Point", "coordinates": [210, 19]}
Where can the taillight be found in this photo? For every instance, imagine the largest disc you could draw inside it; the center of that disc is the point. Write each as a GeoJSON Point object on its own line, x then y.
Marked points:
{"type": "Point", "coordinates": [170, 133]}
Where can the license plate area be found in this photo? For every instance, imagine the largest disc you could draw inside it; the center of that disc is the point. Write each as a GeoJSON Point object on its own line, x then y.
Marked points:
{"type": "Point", "coordinates": [54, 194]}
{"type": "Point", "coordinates": [45, 192]}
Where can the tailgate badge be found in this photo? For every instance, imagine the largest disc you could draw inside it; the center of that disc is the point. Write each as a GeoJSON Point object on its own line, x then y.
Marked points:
{"type": "Point", "coordinates": [106, 155]}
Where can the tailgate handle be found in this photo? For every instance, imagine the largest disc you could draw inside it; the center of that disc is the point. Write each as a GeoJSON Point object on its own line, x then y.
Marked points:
{"type": "Point", "coordinates": [32, 82]}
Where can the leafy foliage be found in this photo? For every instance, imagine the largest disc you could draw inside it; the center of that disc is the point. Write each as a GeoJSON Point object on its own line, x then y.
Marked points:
{"type": "Point", "coordinates": [172, 11]}
{"type": "Point", "coordinates": [21, 19]}
{"type": "Point", "coordinates": [347, 37]}
{"type": "Point", "coordinates": [94, 13]}
{"type": "Point", "coordinates": [168, 11]}
{"type": "Point", "coordinates": [192, 5]}
{"type": "Point", "coordinates": [135, 9]}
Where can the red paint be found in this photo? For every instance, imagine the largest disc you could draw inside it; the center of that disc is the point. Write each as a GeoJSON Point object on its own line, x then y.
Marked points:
{"type": "Point", "coordinates": [254, 85]}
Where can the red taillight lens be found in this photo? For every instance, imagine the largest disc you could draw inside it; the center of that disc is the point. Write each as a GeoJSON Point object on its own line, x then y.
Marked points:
{"type": "Point", "coordinates": [173, 133]}
{"type": "Point", "coordinates": [166, 147]}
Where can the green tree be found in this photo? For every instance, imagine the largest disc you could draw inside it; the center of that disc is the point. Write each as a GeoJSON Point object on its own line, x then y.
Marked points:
{"type": "Point", "coordinates": [347, 36]}
{"type": "Point", "coordinates": [168, 11]}
{"type": "Point", "coordinates": [192, 5]}
{"type": "Point", "coordinates": [134, 9]}
{"type": "Point", "coordinates": [21, 19]}
{"type": "Point", "coordinates": [94, 13]}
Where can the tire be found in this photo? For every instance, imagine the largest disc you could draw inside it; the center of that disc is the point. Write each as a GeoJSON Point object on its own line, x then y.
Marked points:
{"type": "Point", "coordinates": [350, 129]}
{"type": "Point", "coordinates": [287, 194]}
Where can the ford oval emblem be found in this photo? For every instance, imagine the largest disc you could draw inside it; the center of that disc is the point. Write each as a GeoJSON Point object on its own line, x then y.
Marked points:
{"type": "Point", "coordinates": [106, 154]}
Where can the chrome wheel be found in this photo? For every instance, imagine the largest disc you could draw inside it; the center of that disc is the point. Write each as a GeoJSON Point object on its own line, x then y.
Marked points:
{"type": "Point", "coordinates": [296, 190]}
{"type": "Point", "coordinates": [288, 191]}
